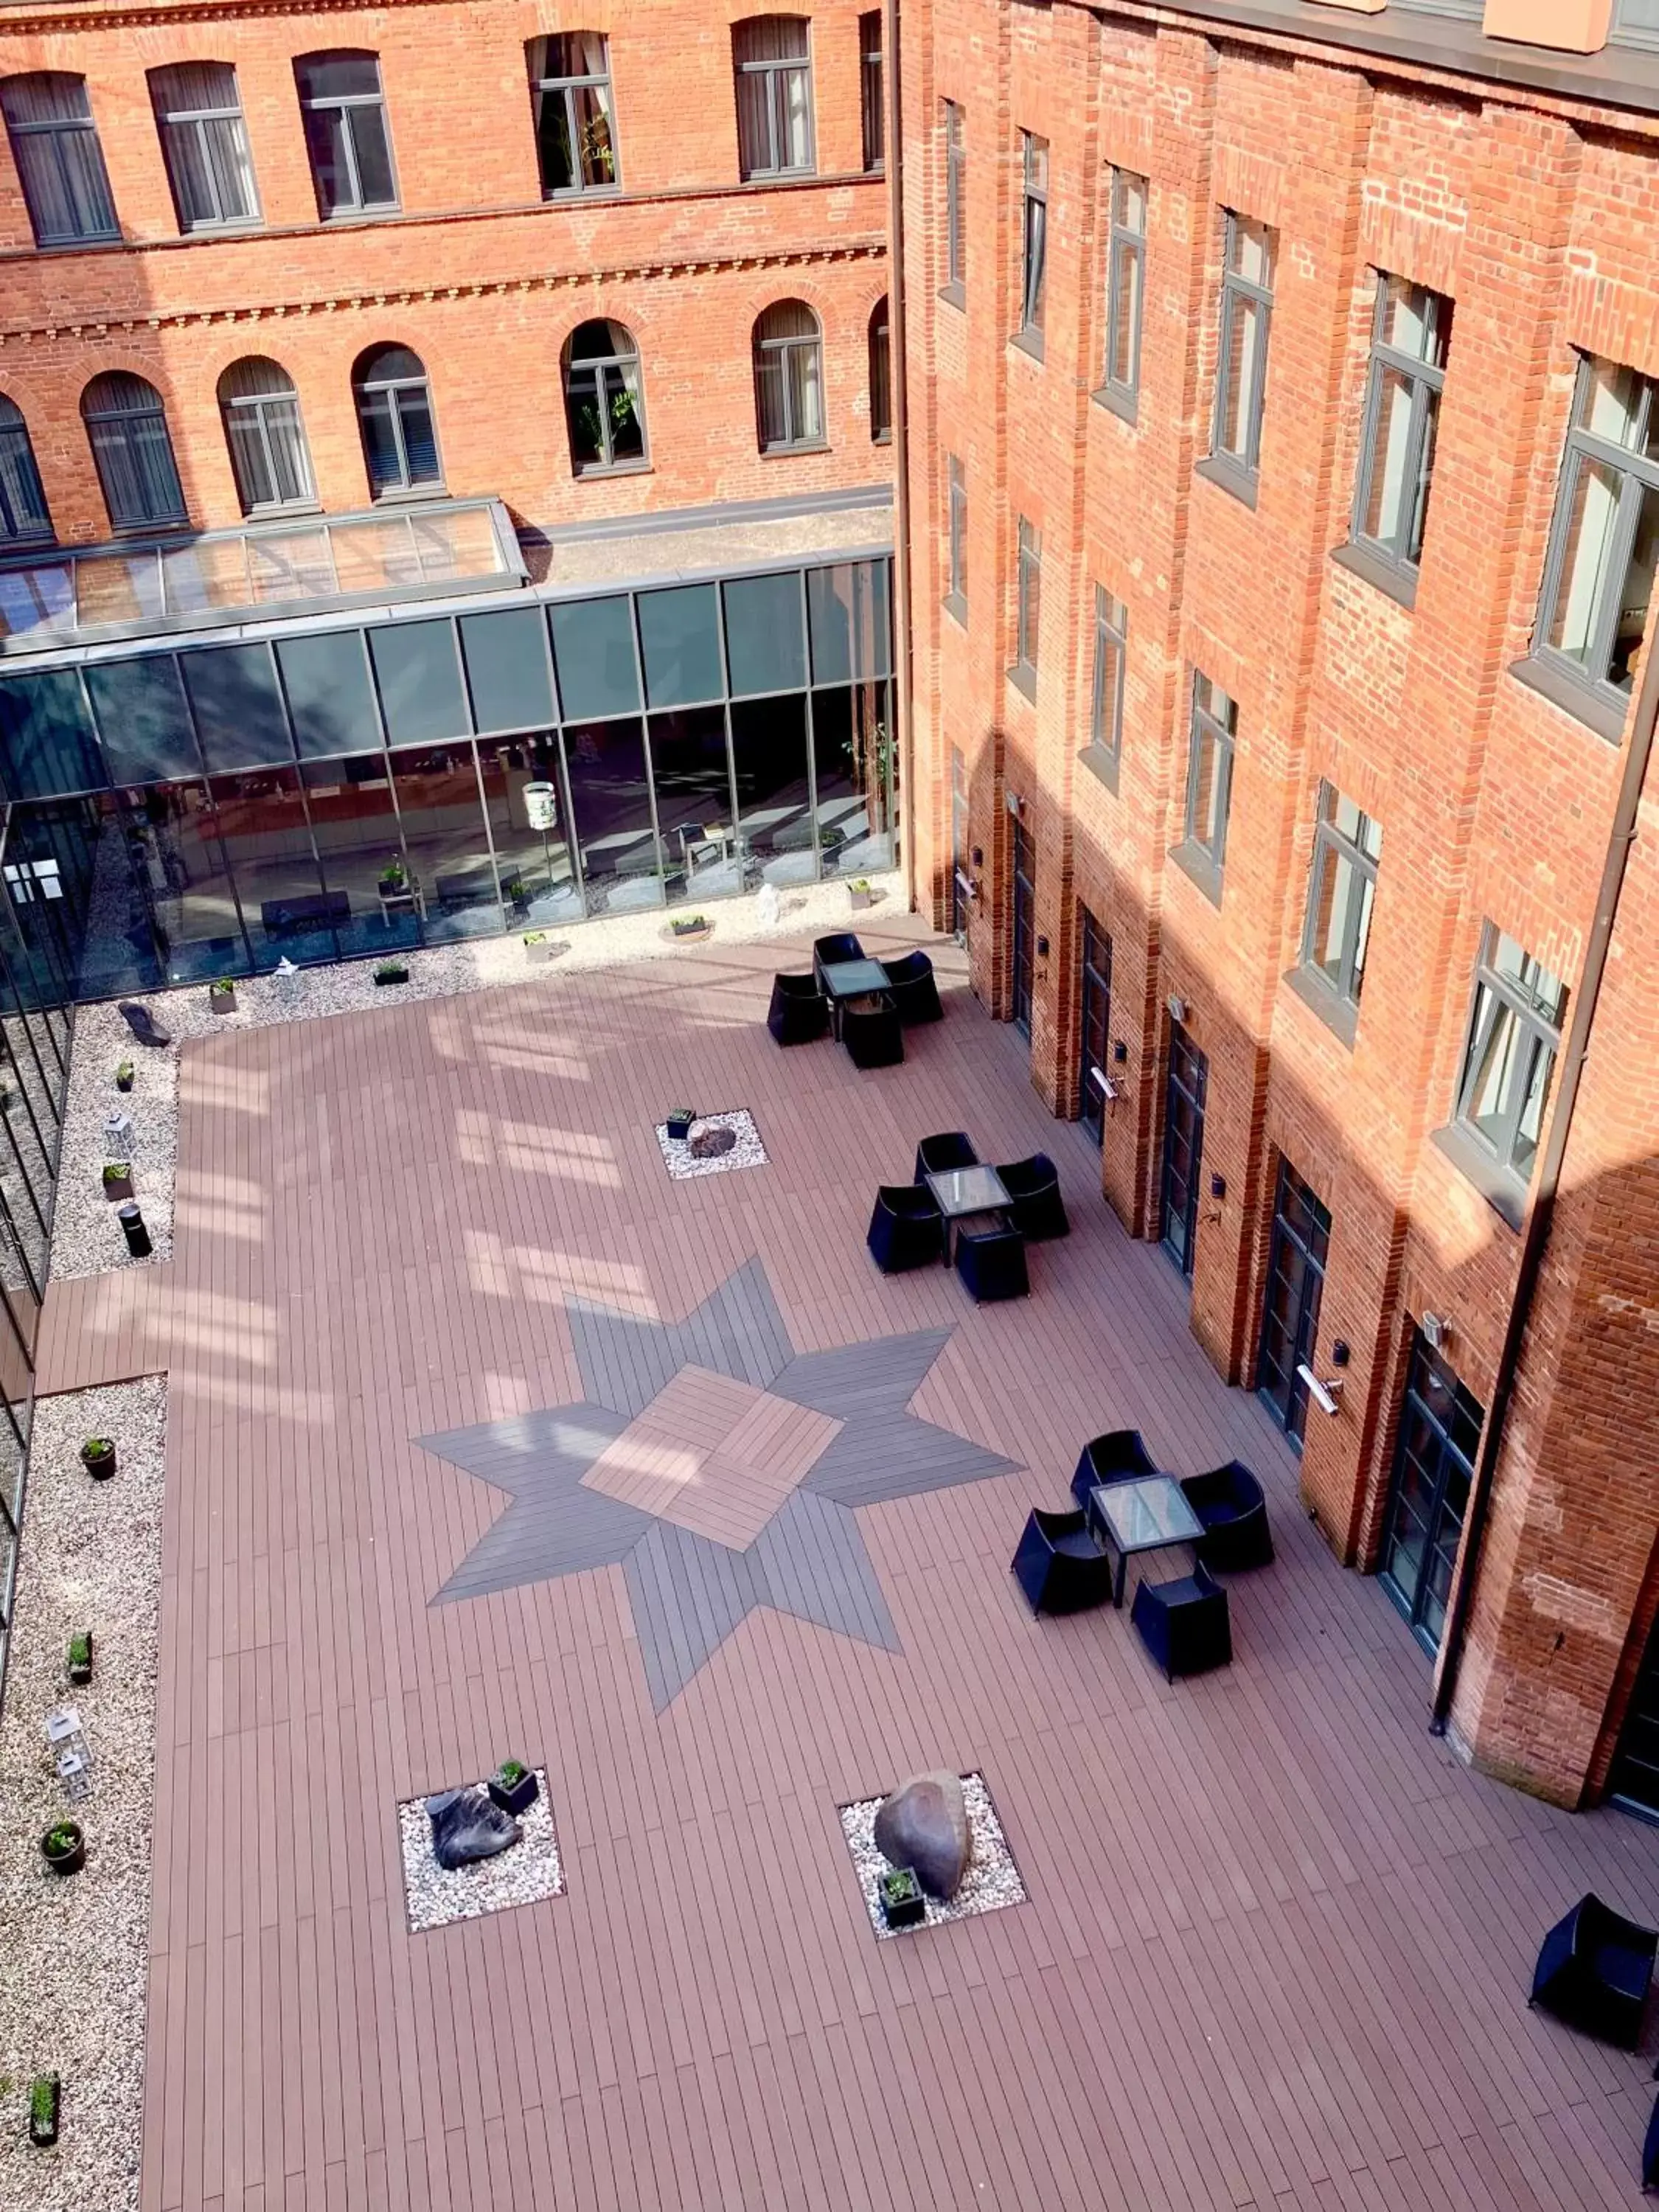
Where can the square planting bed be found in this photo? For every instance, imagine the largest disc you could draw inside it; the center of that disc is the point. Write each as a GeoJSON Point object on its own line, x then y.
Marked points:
{"type": "Point", "coordinates": [683, 1158]}
{"type": "Point", "coordinates": [992, 1880]}
{"type": "Point", "coordinates": [528, 1870]}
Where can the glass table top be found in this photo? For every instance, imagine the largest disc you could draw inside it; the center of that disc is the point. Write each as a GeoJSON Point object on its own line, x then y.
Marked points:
{"type": "Point", "coordinates": [850, 979]}
{"type": "Point", "coordinates": [968, 1190]}
{"type": "Point", "coordinates": [1141, 1514]}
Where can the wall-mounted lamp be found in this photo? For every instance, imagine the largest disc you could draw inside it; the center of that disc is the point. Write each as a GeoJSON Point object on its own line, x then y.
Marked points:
{"type": "Point", "coordinates": [1119, 1052]}
{"type": "Point", "coordinates": [1341, 1355]}
{"type": "Point", "coordinates": [978, 856]}
{"type": "Point", "coordinates": [1435, 1330]}
{"type": "Point", "coordinates": [1103, 1083]}
{"type": "Point", "coordinates": [967, 888]}
{"type": "Point", "coordinates": [1177, 1007]}
{"type": "Point", "coordinates": [1042, 948]}
{"type": "Point", "coordinates": [1016, 804]}
{"type": "Point", "coordinates": [1218, 1186]}
{"type": "Point", "coordinates": [1324, 1395]}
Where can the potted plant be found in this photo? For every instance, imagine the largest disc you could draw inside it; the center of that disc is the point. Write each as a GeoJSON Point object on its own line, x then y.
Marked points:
{"type": "Point", "coordinates": [536, 950]}
{"type": "Point", "coordinates": [118, 1179]}
{"type": "Point", "coordinates": [391, 971]}
{"type": "Point", "coordinates": [860, 893]}
{"type": "Point", "coordinates": [45, 2094]}
{"type": "Point", "coordinates": [394, 878]}
{"type": "Point", "coordinates": [512, 1786]}
{"type": "Point", "coordinates": [692, 925]}
{"type": "Point", "coordinates": [222, 998]}
{"type": "Point", "coordinates": [678, 1123]}
{"type": "Point", "coordinates": [903, 1904]}
{"type": "Point", "coordinates": [80, 1657]}
{"type": "Point", "coordinates": [98, 1457]}
{"type": "Point", "coordinates": [64, 1847]}
{"type": "Point", "coordinates": [123, 1076]}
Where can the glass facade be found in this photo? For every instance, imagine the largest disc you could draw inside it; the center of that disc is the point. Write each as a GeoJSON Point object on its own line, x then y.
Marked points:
{"type": "Point", "coordinates": [207, 809]}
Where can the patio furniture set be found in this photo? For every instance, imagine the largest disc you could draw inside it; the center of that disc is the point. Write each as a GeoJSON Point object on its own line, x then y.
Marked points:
{"type": "Point", "coordinates": [865, 1004]}
{"type": "Point", "coordinates": [1594, 1972]}
{"type": "Point", "coordinates": [960, 1211]}
{"type": "Point", "coordinates": [1128, 1508]}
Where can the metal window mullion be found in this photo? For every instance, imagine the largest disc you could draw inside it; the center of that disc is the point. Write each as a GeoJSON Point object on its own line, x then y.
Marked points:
{"type": "Point", "coordinates": [1367, 470]}
{"type": "Point", "coordinates": [1555, 550]}
{"type": "Point", "coordinates": [1259, 380]}
{"type": "Point", "coordinates": [1222, 367]}
{"type": "Point", "coordinates": [1224, 794]}
{"type": "Point", "coordinates": [349, 141]}
{"type": "Point", "coordinates": [1316, 878]}
{"type": "Point", "coordinates": [1415, 509]}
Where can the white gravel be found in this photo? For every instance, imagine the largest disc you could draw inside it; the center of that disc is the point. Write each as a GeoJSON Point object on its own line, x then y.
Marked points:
{"type": "Point", "coordinates": [86, 1238]}
{"type": "Point", "coordinates": [525, 1872]}
{"type": "Point", "coordinates": [683, 1164]}
{"type": "Point", "coordinates": [74, 1951]}
{"type": "Point", "coordinates": [992, 1879]}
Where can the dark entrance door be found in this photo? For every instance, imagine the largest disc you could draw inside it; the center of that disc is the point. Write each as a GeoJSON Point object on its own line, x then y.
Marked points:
{"type": "Point", "coordinates": [1634, 1782]}
{"type": "Point", "coordinates": [1025, 925]}
{"type": "Point", "coordinates": [1183, 1148]}
{"type": "Point", "coordinates": [1439, 1429]}
{"type": "Point", "coordinates": [1094, 1023]}
{"type": "Point", "coordinates": [1290, 1309]}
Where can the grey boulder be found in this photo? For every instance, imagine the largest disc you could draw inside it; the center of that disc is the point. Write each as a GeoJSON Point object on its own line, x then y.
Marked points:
{"type": "Point", "coordinates": [924, 1824]}
{"type": "Point", "coordinates": [143, 1024]}
{"type": "Point", "coordinates": [466, 1827]}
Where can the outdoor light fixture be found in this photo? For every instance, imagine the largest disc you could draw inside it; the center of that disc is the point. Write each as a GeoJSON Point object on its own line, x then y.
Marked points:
{"type": "Point", "coordinates": [1042, 948]}
{"type": "Point", "coordinates": [1103, 1083]}
{"type": "Point", "coordinates": [979, 856]}
{"type": "Point", "coordinates": [1120, 1051]}
{"type": "Point", "coordinates": [1324, 1395]}
{"type": "Point", "coordinates": [1436, 1329]}
{"type": "Point", "coordinates": [1177, 1007]}
{"type": "Point", "coordinates": [1219, 1189]}
{"type": "Point", "coordinates": [1016, 804]}
{"type": "Point", "coordinates": [1341, 1354]}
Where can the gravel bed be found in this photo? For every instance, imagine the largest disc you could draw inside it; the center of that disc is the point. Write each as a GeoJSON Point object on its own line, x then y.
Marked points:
{"type": "Point", "coordinates": [747, 1151]}
{"type": "Point", "coordinates": [86, 1238]}
{"type": "Point", "coordinates": [75, 1950]}
{"type": "Point", "coordinates": [528, 1870]}
{"type": "Point", "coordinates": [992, 1879]}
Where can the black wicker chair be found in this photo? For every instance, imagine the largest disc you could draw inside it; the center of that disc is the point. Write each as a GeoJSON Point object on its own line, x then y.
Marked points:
{"type": "Point", "coordinates": [1034, 1186]}
{"type": "Point", "coordinates": [1229, 1503]}
{"type": "Point", "coordinates": [906, 1229]}
{"type": "Point", "coordinates": [1651, 2152]}
{"type": "Point", "coordinates": [1118, 1456]}
{"type": "Point", "coordinates": [871, 1035]}
{"type": "Point", "coordinates": [1185, 1625]}
{"type": "Point", "coordinates": [910, 979]}
{"type": "Point", "coordinates": [1059, 1565]}
{"type": "Point", "coordinates": [1594, 1971]}
{"type": "Point", "coordinates": [799, 1013]}
{"type": "Point", "coordinates": [992, 1264]}
{"type": "Point", "coordinates": [939, 1155]}
{"type": "Point", "coordinates": [828, 951]}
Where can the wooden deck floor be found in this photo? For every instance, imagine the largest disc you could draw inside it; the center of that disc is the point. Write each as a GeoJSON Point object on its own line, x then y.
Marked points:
{"type": "Point", "coordinates": [1277, 1941]}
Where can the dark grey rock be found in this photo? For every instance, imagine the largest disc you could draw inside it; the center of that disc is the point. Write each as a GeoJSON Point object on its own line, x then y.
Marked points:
{"type": "Point", "coordinates": [924, 1824]}
{"type": "Point", "coordinates": [143, 1024]}
{"type": "Point", "coordinates": [466, 1827]}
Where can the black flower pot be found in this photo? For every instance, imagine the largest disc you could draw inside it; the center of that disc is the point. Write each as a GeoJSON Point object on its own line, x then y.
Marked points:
{"type": "Point", "coordinates": [222, 998]}
{"type": "Point", "coordinates": [679, 1122]}
{"type": "Point", "coordinates": [124, 1082]}
{"type": "Point", "coordinates": [908, 1911]}
{"type": "Point", "coordinates": [45, 2098]}
{"type": "Point", "coordinates": [515, 1797]}
{"type": "Point", "coordinates": [98, 1465]}
{"type": "Point", "coordinates": [72, 1857]}
{"type": "Point", "coordinates": [80, 1672]}
{"type": "Point", "coordinates": [118, 1187]}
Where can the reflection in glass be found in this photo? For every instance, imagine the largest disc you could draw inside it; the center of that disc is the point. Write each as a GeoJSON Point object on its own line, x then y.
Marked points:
{"type": "Point", "coordinates": [355, 824]}
{"type": "Point", "coordinates": [774, 803]}
{"type": "Point", "coordinates": [448, 873]}
{"type": "Point", "coordinates": [610, 798]}
{"type": "Point", "coordinates": [851, 757]}
{"type": "Point", "coordinates": [173, 837]}
{"type": "Point", "coordinates": [267, 841]}
{"type": "Point", "coordinates": [702, 855]}
{"type": "Point", "coordinates": [528, 822]}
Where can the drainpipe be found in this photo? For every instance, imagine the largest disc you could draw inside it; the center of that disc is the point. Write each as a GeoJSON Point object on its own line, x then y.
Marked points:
{"type": "Point", "coordinates": [1540, 1213]}
{"type": "Point", "coordinates": [893, 138]}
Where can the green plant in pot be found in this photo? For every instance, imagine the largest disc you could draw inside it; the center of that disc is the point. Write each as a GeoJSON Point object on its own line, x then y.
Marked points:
{"type": "Point", "coordinates": [391, 971]}
{"type": "Point", "coordinates": [678, 1121]}
{"type": "Point", "coordinates": [537, 949]}
{"type": "Point", "coordinates": [222, 998]}
{"type": "Point", "coordinates": [691, 925]}
{"type": "Point", "coordinates": [903, 1903]}
{"type": "Point", "coordinates": [45, 2094]}
{"type": "Point", "coordinates": [124, 1075]}
{"type": "Point", "coordinates": [512, 1786]}
{"type": "Point", "coordinates": [80, 1657]}
{"type": "Point", "coordinates": [394, 877]}
{"type": "Point", "coordinates": [118, 1179]}
{"type": "Point", "coordinates": [98, 1457]}
{"type": "Point", "coordinates": [64, 1847]}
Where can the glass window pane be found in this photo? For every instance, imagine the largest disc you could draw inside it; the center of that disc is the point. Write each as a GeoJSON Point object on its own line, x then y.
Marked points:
{"type": "Point", "coordinates": [420, 682]}
{"type": "Point", "coordinates": [775, 812]}
{"type": "Point", "coordinates": [847, 620]}
{"type": "Point", "coordinates": [373, 147]}
{"type": "Point", "coordinates": [1611, 402]}
{"type": "Point", "coordinates": [48, 744]}
{"type": "Point", "coordinates": [238, 708]}
{"type": "Point", "coordinates": [764, 649]}
{"type": "Point", "coordinates": [1631, 619]}
{"type": "Point", "coordinates": [1386, 506]}
{"type": "Point", "coordinates": [507, 669]}
{"type": "Point", "coordinates": [852, 757]}
{"type": "Point", "coordinates": [681, 645]}
{"type": "Point", "coordinates": [593, 651]}
{"type": "Point", "coordinates": [326, 680]}
{"type": "Point", "coordinates": [142, 719]}
{"type": "Point", "coordinates": [1586, 563]}
{"type": "Point", "coordinates": [354, 824]}
{"type": "Point", "coordinates": [267, 841]}
{"type": "Point", "coordinates": [701, 856]}
{"type": "Point", "coordinates": [449, 872]}
{"type": "Point", "coordinates": [610, 798]}
{"type": "Point", "coordinates": [1245, 338]}
{"type": "Point", "coordinates": [532, 849]}
{"type": "Point", "coordinates": [172, 834]}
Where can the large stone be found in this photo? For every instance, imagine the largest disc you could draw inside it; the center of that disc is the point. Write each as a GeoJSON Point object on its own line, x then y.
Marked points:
{"type": "Point", "coordinates": [467, 1826]}
{"type": "Point", "coordinates": [139, 1020]}
{"type": "Point", "coordinates": [924, 1824]}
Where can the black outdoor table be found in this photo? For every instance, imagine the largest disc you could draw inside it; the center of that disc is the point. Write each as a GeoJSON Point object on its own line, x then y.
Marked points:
{"type": "Point", "coordinates": [852, 979]}
{"type": "Point", "coordinates": [1147, 1514]}
{"type": "Point", "coordinates": [962, 1192]}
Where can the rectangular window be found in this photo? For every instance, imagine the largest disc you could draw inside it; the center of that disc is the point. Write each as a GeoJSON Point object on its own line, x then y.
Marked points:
{"type": "Point", "coordinates": [956, 498]}
{"type": "Point", "coordinates": [870, 89]}
{"type": "Point", "coordinates": [346, 133]}
{"type": "Point", "coordinates": [576, 130]}
{"type": "Point", "coordinates": [198, 112]}
{"type": "Point", "coordinates": [1126, 277]}
{"type": "Point", "coordinates": [1111, 646]}
{"type": "Point", "coordinates": [881, 375]}
{"type": "Point", "coordinates": [1209, 770]}
{"type": "Point", "coordinates": [1029, 600]}
{"type": "Point", "coordinates": [1598, 575]}
{"type": "Point", "coordinates": [956, 201]}
{"type": "Point", "coordinates": [1034, 235]}
{"type": "Point", "coordinates": [1341, 888]}
{"type": "Point", "coordinates": [60, 164]}
{"type": "Point", "coordinates": [1515, 1033]}
{"type": "Point", "coordinates": [1409, 339]}
{"type": "Point", "coordinates": [775, 96]}
{"type": "Point", "coordinates": [1241, 376]}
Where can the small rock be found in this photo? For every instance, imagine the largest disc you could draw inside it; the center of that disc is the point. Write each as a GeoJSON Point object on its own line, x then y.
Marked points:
{"type": "Point", "coordinates": [467, 1825]}
{"type": "Point", "coordinates": [924, 1824]}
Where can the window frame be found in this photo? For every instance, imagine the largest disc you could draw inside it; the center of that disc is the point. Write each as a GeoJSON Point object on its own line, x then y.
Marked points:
{"type": "Point", "coordinates": [872, 89]}
{"type": "Point", "coordinates": [139, 524]}
{"type": "Point", "coordinates": [1122, 242]}
{"type": "Point", "coordinates": [881, 372]}
{"type": "Point", "coordinates": [782, 347]}
{"type": "Point", "coordinates": [1243, 472]}
{"type": "Point", "coordinates": [1631, 35]}
{"type": "Point", "coordinates": [1333, 849]}
{"type": "Point", "coordinates": [595, 365]}
{"type": "Point", "coordinates": [1033, 239]}
{"type": "Point", "coordinates": [393, 386]}
{"type": "Point", "coordinates": [54, 128]}
{"type": "Point", "coordinates": [251, 407]}
{"type": "Point", "coordinates": [567, 87]}
{"type": "Point", "coordinates": [175, 123]}
{"type": "Point", "coordinates": [1028, 605]}
{"type": "Point", "coordinates": [776, 109]}
{"type": "Point", "coordinates": [1426, 378]}
{"type": "Point", "coordinates": [1223, 733]}
{"type": "Point", "coordinates": [358, 209]}
{"type": "Point", "coordinates": [1104, 750]}
{"type": "Point", "coordinates": [956, 508]}
{"type": "Point", "coordinates": [956, 190]}
{"type": "Point", "coordinates": [1506, 995]}
{"type": "Point", "coordinates": [16, 436]}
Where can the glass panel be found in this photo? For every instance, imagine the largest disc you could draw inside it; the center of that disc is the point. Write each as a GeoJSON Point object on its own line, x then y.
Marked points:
{"type": "Point", "coordinates": [173, 836]}
{"type": "Point", "coordinates": [1126, 313]}
{"type": "Point", "coordinates": [852, 757]}
{"type": "Point", "coordinates": [449, 872]}
{"type": "Point", "coordinates": [40, 599]}
{"type": "Point", "coordinates": [764, 649]}
{"type": "Point", "coordinates": [262, 823]}
{"type": "Point", "coordinates": [538, 879]}
{"type": "Point", "coordinates": [1385, 505]}
{"type": "Point", "coordinates": [1252, 254]}
{"type": "Point", "coordinates": [681, 645]}
{"type": "Point", "coordinates": [1633, 617]}
{"type": "Point", "coordinates": [355, 827]}
{"type": "Point", "coordinates": [847, 619]}
{"type": "Point", "coordinates": [372, 149]}
{"type": "Point", "coordinates": [610, 798]}
{"type": "Point", "coordinates": [142, 719]}
{"type": "Point", "coordinates": [122, 950]}
{"type": "Point", "coordinates": [1245, 329]}
{"type": "Point", "coordinates": [594, 650]}
{"type": "Point", "coordinates": [1587, 555]}
{"type": "Point", "coordinates": [326, 680]}
{"type": "Point", "coordinates": [239, 710]}
{"type": "Point", "coordinates": [1610, 403]}
{"type": "Point", "coordinates": [1205, 818]}
{"type": "Point", "coordinates": [420, 683]}
{"type": "Point", "coordinates": [119, 587]}
{"type": "Point", "coordinates": [775, 811]}
{"type": "Point", "coordinates": [507, 669]}
{"type": "Point", "coordinates": [49, 744]}
{"type": "Point", "coordinates": [699, 846]}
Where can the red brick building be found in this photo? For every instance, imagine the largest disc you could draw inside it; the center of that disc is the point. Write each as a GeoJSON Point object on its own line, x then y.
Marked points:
{"type": "Point", "coordinates": [1283, 522]}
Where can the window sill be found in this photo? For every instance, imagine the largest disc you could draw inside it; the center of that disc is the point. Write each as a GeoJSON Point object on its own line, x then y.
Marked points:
{"type": "Point", "coordinates": [1024, 680]}
{"type": "Point", "coordinates": [1242, 483]}
{"type": "Point", "coordinates": [280, 510]}
{"type": "Point", "coordinates": [1503, 1190]}
{"type": "Point", "coordinates": [616, 469]}
{"type": "Point", "coordinates": [1340, 1016]}
{"type": "Point", "coordinates": [572, 194]}
{"type": "Point", "coordinates": [1599, 709]}
{"type": "Point", "coordinates": [1125, 406]}
{"type": "Point", "coordinates": [956, 606]}
{"type": "Point", "coordinates": [169, 525]}
{"type": "Point", "coordinates": [102, 242]}
{"type": "Point", "coordinates": [345, 215]}
{"type": "Point", "coordinates": [238, 227]}
{"type": "Point", "coordinates": [1198, 864]}
{"type": "Point", "coordinates": [789, 453]}
{"type": "Point", "coordinates": [1029, 343]}
{"type": "Point", "coordinates": [954, 295]}
{"type": "Point", "coordinates": [762, 180]}
{"type": "Point", "coordinates": [1398, 583]}
{"type": "Point", "coordinates": [881, 437]}
{"type": "Point", "coordinates": [1100, 764]}
{"type": "Point", "coordinates": [410, 495]}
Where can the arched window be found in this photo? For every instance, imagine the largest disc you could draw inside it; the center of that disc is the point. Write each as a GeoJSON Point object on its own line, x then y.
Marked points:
{"type": "Point", "coordinates": [394, 410]}
{"type": "Point", "coordinates": [789, 377]}
{"type": "Point", "coordinates": [772, 57]}
{"type": "Point", "coordinates": [576, 130]}
{"type": "Point", "coordinates": [881, 374]}
{"type": "Point", "coordinates": [60, 164]}
{"type": "Point", "coordinates": [346, 132]}
{"type": "Point", "coordinates": [23, 515]}
{"type": "Point", "coordinates": [127, 428]}
{"type": "Point", "coordinates": [604, 397]}
{"type": "Point", "coordinates": [267, 442]}
{"type": "Point", "coordinates": [198, 112]}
